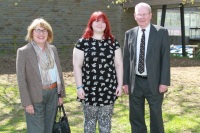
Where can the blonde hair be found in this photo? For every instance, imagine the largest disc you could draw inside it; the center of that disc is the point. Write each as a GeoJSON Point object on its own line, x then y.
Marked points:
{"type": "Point", "coordinates": [42, 23]}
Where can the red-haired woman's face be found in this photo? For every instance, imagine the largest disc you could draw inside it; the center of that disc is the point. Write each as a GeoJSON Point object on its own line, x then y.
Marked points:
{"type": "Point", "coordinates": [98, 26]}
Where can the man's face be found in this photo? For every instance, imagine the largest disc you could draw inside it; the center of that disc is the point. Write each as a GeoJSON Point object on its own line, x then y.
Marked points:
{"type": "Point", "coordinates": [143, 17]}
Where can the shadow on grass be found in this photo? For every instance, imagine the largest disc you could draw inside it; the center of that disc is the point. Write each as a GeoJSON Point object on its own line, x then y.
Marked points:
{"type": "Point", "coordinates": [11, 113]}
{"type": "Point", "coordinates": [180, 111]}
{"type": "Point", "coordinates": [12, 118]}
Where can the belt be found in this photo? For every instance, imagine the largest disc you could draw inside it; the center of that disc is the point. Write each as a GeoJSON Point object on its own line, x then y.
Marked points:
{"type": "Point", "coordinates": [142, 76]}
{"type": "Point", "coordinates": [52, 86]}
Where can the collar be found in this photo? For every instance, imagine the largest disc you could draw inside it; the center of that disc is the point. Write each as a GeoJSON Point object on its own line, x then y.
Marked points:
{"type": "Point", "coordinates": [147, 29]}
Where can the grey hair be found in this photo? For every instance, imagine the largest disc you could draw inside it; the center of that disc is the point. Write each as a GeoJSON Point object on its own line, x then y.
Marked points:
{"type": "Point", "coordinates": [142, 4]}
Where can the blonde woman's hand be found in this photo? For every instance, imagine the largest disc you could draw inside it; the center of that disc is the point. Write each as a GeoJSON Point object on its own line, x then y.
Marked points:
{"type": "Point", "coordinates": [29, 109]}
{"type": "Point", "coordinates": [60, 101]}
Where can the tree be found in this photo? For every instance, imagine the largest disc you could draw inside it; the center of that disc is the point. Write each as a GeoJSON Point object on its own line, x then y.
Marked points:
{"type": "Point", "coordinates": [121, 1]}
{"type": "Point", "coordinates": [188, 1]}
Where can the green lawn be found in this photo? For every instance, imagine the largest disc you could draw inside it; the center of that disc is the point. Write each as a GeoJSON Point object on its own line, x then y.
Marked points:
{"type": "Point", "coordinates": [180, 111]}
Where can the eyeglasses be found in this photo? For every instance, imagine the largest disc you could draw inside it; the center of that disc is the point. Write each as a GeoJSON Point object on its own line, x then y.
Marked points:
{"type": "Point", "coordinates": [142, 15]}
{"type": "Point", "coordinates": [38, 31]}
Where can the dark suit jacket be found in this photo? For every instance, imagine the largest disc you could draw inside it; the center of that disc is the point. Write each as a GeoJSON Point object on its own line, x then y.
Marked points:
{"type": "Point", "coordinates": [28, 75]}
{"type": "Point", "coordinates": [157, 58]}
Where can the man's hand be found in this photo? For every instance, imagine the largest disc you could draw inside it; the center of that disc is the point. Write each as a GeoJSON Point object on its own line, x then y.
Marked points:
{"type": "Point", "coordinates": [125, 88]}
{"type": "Point", "coordinates": [163, 88]}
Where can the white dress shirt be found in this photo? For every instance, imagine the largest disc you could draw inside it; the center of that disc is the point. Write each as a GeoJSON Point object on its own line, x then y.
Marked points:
{"type": "Point", "coordinates": [147, 30]}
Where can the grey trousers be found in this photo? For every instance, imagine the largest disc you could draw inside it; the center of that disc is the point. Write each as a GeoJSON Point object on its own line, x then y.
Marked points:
{"type": "Point", "coordinates": [43, 118]}
{"type": "Point", "coordinates": [137, 108]}
{"type": "Point", "coordinates": [102, 114]}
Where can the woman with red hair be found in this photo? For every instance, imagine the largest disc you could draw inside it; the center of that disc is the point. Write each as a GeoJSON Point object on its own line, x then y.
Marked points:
{"type": "Point", "coordinates": [98, 70]}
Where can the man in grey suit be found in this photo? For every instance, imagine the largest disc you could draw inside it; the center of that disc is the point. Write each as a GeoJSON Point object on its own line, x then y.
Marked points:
{"type": "Point", "coordinates": [146, 70]}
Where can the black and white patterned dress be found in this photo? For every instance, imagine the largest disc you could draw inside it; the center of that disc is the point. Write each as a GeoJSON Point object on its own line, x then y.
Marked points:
{"type": "Point", "coordinates": [98, 71]}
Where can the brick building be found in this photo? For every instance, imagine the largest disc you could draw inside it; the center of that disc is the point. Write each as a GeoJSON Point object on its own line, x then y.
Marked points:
{"type": "Point", "coordinates": [67, 17]}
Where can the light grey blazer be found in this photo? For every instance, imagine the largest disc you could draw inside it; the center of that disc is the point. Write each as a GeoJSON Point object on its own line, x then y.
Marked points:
{"type": "Point", "coordinates": [157, 58]}
{"type": "Point", "coordinates": [28, 75]}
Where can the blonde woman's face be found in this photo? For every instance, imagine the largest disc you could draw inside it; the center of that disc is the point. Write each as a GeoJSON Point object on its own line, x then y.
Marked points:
{"type": "Point", "coordinates": [40, 35]}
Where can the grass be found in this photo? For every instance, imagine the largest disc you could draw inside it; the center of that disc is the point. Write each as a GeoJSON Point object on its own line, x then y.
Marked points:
{"type": "Point", "coordinates": [180, 111]}
{"type": "Point", "coordinates": [180, 108]}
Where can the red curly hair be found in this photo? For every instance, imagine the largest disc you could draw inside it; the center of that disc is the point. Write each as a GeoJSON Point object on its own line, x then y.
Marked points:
{"type": "Point", "coordinates": [97, 16]}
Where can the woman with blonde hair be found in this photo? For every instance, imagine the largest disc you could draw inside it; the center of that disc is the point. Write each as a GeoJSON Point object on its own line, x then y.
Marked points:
{"type": "Point", "coordinates": [39, 77]}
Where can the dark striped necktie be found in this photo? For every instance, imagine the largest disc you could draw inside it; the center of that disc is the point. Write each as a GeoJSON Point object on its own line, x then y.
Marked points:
{"type": "Point", "coordinates": [142, 53]}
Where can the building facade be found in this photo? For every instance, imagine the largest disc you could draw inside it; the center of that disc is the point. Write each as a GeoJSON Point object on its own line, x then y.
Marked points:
{"type": "Point", "coordinates": [68, 18]}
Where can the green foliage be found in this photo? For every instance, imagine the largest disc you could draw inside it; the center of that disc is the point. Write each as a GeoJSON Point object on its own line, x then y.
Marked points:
{"type": "Point", "coordinates": [197, 54]}
{"type": "Point", "coordinates": [118, 1]}
{"type": "Point", "coordinates": [14, 42]}
{"type": "Point", "coordinates": [197, 51]}
{"type": "Point", "coordinates": [187, 1]}
{"type": "Point", "coordinates": [121, 1]}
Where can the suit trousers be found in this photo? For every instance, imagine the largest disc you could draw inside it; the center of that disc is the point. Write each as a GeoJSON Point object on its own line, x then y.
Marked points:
{"type": "Point", "coordinates": [137, 108]}
{"type": "Point", "coordinates": [44, 113]}
{"type": "Point", "coordinates": [102, 114]}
